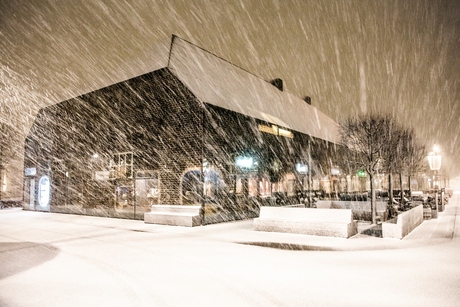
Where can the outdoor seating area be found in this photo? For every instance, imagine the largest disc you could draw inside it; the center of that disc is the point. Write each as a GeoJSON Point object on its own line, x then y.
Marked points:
{"type": "Point", "coordinates": [353, 196]}
{"type": "Point", "coordinates": [339, 218]}
{"type": "Point", "coordinates": [361, 209]}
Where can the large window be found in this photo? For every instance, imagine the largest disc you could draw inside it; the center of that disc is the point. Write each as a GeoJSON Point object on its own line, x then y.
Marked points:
{"type": "Point", "coordinates": [252, 186]}
{"type": "Point", "coordinates": [147, 188]}
{"type": "Point", "coordinates": [289, 184]}
{"type": "Point", "coordinates": [247, 185]}
{"type": "Point", "coordinates": [264, 186]}
{"type": "Point", "coordinates": [191, 183]}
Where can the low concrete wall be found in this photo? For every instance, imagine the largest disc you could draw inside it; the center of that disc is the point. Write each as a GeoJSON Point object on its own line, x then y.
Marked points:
{"type": "Point", "coordinates": [361, 209]}
{"type": "Point", "coordinates": [173, 215]}
{"type": "Point", "coordinates": [403, 224]}
{"type": "Point", "coordinates": [311, 221]}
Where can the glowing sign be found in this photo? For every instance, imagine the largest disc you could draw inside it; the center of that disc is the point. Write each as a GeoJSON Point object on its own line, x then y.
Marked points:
{"type": "Point", "coordinates": [335, 171]}
{"type": "Point", "coordinates": [276, 131]}
{"type": "Point", "coordinates": [246, 162]}
{"type": "Point", "coordinates": [267, 129]}
{"type": "Point", "coordinates": [285, 133]}
{"type": "Point", "coordinates": [31, 171]}
{"type": "Point", "coordinates": [44, 191]}
{"type": "Point", "coordinates": [301, 168]}
{"type": "Point", "coordinates": [362, 173]}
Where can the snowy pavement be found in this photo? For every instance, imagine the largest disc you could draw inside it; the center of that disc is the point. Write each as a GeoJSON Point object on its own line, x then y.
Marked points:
{"type": "Point", "coordinates": [67, 260]}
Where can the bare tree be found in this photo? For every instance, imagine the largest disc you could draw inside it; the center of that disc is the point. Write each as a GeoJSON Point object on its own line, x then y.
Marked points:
{"type": "Point", "coordinates": [402, 154]}
{"type": "Point", "coordinates": [347, 161]}
{"type": "Point", "coordinates": [391, 156]}
{"type": "Point", "coordinates": [368, 136]}
{"type": "Point", "coordinates": [416, 161]}
{"type": "Point", "coordinates": [411, 157]}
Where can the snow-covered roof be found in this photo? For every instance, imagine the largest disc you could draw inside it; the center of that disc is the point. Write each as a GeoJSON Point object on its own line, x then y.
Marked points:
{"type": "Point", "coordinates": [219, 82]}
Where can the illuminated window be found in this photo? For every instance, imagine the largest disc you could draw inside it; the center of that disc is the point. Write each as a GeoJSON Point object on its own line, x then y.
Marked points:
{"type": "Point", "coordinates": [276, 131]}
{"type": "Point", "coordinates": [264, 187]}
{"type": "Point", "coordinates": [252, 186]}
{"type": "Point", "coordinates": [290, 187]}
{"type": "Point", "coordinates": [239, 186]}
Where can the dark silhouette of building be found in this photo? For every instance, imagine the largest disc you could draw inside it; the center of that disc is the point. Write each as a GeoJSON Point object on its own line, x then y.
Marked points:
{"type": "Point", "coordinates": [200, 131]}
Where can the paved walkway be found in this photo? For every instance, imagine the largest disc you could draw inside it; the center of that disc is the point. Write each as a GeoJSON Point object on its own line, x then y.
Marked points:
{"type": "Point", "coordinates": [430, 232]}
{"type": "Point", "coordinates": [69, 260]}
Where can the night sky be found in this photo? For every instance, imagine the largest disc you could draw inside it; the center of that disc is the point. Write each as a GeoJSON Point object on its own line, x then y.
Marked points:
{"type": "Point", "coordinates": [351, 57]}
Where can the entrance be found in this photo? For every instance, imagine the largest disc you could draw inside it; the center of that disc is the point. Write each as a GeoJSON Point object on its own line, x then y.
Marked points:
{"type": "Point", "coordinates": [124, 197]}
{"type": "Point", "coordinates": [29, 193]}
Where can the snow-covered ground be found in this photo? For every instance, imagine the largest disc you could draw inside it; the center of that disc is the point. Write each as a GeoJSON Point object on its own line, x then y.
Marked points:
{"type": "Point", "coordinates": [67, 260]}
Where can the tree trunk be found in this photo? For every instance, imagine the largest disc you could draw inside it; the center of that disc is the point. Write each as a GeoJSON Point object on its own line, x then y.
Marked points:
{"type": "Point", "coordinates": [390, 188]}
{"type": "Point", "coordinates": [391, 197]}
{"type": "Point", "coordinates": [373, 200]}
{"type": "Point", "coordinates": [401, 186]}
{"type": "Point", "coordinates": [410, 189]}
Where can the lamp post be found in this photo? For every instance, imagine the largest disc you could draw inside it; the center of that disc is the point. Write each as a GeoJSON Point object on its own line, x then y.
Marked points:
{"type": "Point", "coordinates": [434, 159]}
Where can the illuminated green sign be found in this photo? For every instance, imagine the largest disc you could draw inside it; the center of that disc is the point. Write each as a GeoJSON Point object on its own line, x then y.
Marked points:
{"type": "Point", "coordinates": [362, 173]}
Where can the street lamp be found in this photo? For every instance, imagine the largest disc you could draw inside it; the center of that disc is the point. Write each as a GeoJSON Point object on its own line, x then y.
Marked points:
{"type": "Point", "coordinates": [434, 160]}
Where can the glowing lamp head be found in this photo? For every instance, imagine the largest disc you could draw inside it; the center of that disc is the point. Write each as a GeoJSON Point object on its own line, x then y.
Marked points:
{"type": "Point", "coordinates": [434, 160]}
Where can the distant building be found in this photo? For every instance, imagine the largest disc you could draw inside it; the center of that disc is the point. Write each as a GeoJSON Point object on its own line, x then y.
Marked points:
{"type": "Point", "coordinates": [200, 131]}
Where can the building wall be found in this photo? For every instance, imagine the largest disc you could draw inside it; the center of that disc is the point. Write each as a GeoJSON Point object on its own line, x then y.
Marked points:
{"type": "Point", "coordinates": [229, 136]}
{"type": "Point", "coordinates": [171, 134]}
{"type": "Point", "coordinates": [154, 116]}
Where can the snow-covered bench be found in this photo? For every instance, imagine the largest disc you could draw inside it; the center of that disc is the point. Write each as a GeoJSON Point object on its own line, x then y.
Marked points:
{"type": "Point", "coordinates": [403, 224]}
{"type": "Point", "coordinates": [173, 215]}
{"type": "Point", "coordinates": [310, 221]}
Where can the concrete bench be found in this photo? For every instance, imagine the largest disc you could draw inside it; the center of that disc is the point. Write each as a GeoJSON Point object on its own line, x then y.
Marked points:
{"type": "Point", "coordinates": [310, 221]}
{"type": "Point", "coordinates": [361, 209]}
{"type": "Point", "coordinates": [403, 224]}
{"type": "Point", "coordinates": [173, 215]}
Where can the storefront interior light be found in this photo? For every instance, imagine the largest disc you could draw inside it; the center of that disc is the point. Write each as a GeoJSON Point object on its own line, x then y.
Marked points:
{"type": "Point", "coordinates": [245, 162]}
